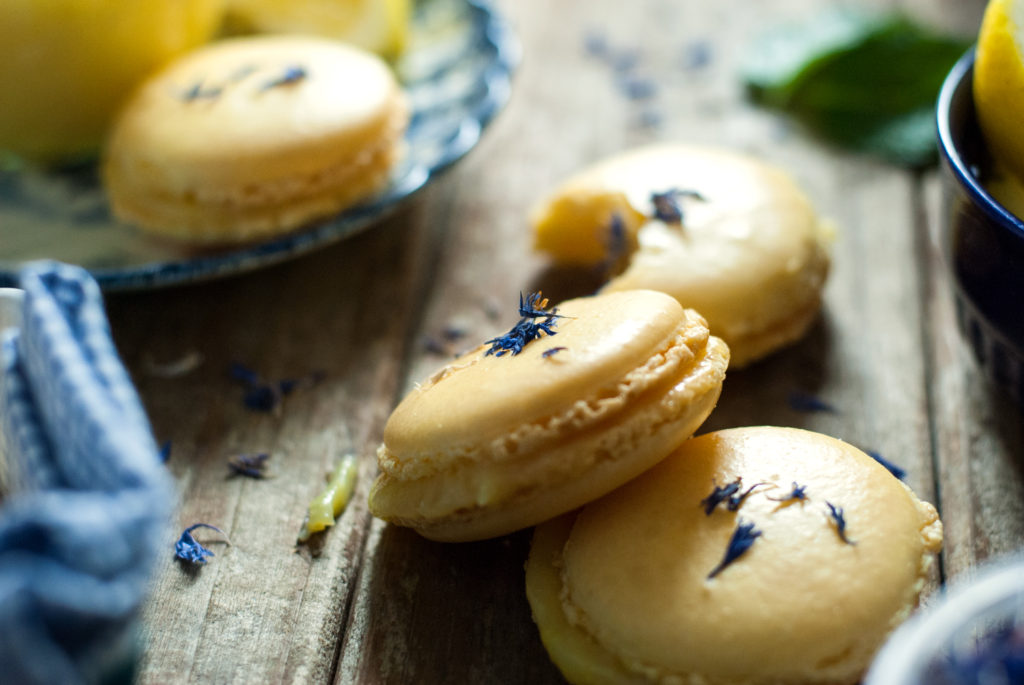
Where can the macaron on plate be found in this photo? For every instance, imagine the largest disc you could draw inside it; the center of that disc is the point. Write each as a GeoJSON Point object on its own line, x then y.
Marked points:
{"type": "Point", "coordinates": [66, 215]}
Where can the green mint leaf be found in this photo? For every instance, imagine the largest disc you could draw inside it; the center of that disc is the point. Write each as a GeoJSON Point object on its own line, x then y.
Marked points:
{"type": "Point", "coordinates": [866, 82]}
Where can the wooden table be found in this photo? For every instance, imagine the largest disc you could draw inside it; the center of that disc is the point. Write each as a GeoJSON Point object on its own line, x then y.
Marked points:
{"type": "Point", "coordinates": [382, 605]}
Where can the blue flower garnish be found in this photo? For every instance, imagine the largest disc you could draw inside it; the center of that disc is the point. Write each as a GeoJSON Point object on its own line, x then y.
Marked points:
{"type": "Point", "coordinates": [806, 402]}
{"type": "Point", "coordinates": [526, 330]}
{"type": "Point", "coordinates": [188, 550]}
{"type": "Point", "coordinates": [893, 468]}
{"type": "Point", "coordinates": [535, 307]}
{"type": "Point", "coordinates": [198, 92]}
{"type": "Point", "coordinates": [165, 451]}
{"type": "Point", "coordinates": [735, 500]}
{"type": "Point", "coordinates": [798, 493]}
{"type": "Point", "coordinates": [616, 244]}
{"type": "Point", "coordinates": [261, 395]}
{"type": "Point", "coordinates": [667, 207]}
{"type": "Point", "coordinates": [292, 74]}
{"type": "Point", "coordinates": [836, 514]}
{"type": "Point", "coordinates": [720, 494]}
{"type": "Point", "coordinates": [552, 351]}
{"type": "Point", "coordinates": [742, 539]}
{"type": "Point", "coordinates": [249, 465]}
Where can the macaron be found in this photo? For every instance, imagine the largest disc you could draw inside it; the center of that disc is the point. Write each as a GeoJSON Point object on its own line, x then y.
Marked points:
{"type": "Point", "coordinates": [724, 233]}
{"type": "Point", "coordinates": [254, 137]}
{"type": "Point", "coordinates": [748, 556]}
{"type": "Point", "coordinates": [571, 403]}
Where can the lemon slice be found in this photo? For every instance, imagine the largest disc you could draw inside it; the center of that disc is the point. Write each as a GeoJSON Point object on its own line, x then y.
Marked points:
{"type": "Point", "coordinates": [381, 26]}
{"type": "Point", "coordinates": [999, 83]}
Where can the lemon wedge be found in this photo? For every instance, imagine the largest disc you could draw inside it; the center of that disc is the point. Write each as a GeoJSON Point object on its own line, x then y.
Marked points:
{"type": "Point", "coordinates": [381, 26]}
{"type": "Point", "coordinates": [999, 83]}
{"type": "Point", "coordinates": [66, 65]}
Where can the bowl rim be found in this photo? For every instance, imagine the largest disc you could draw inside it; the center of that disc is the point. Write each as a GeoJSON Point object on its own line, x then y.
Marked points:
{"type": "Point", "coordinates": [962, 70]}
{"type": "Point", "coordinates": [914, 645]}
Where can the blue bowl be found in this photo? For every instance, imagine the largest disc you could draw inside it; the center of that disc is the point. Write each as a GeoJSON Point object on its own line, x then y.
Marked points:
{"type": "Point", "coordinates": [982, 242]}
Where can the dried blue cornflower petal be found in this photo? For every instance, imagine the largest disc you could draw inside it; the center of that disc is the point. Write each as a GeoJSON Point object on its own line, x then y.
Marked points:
{"type": "Point", "coordinates": [667, 207]}
{"type": "Point", "coordinates": [720, 494]}
{"type": "Point", "coordinates": [243, 374]}
{"type": "Point", "coordinates": [188, 550]}
{"type": "Point", "coordinates": [261, 395]}
{"type": "Point", "coordinates": [893, 468]}
{"type": "Point", "coordinates": [198, 92]}
{"type": "Point", "coordinates": [696, 55]}
{"type": "Point", "coordinates": [595, 43]}
{"type": "Point", "coordinates": [742, 539]}
{"type": "Point", "coordinates": [836, 514]}
{"type": "Point", "coordinates": [798, 493]}
{"type": "Point", "coordinates": [804, 401]}
{"type": "Point", "coordinates": [536, 307]}
{"type": "Point", "coordinates": [526, 330]}
{"type": "Point", "coordinates": [552, 351]}
{"type": "Point", "coordinates": [250, 465]}
{"type": "Point", "coordinates": [516, 339]}
{"type": "Point", "coordinates": [292, 74]}
{"type": "Point", "coordinates": [650, 118]}
{"type": "Point", "coordinates": [616, 245]}
{"type": "Point", "coordinates": [164, 453]}
{"type": "Point", "coordinates": [637, 87]}
{"type": "Point", "coordinates": [735, 500]}
{"type": "Point", "coordinates": [624, 59]}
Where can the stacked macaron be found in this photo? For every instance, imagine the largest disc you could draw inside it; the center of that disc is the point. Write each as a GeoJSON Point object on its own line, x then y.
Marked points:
{"type": "Point", "coordinates": [750, 556]}
{"type": "Point", "coordinates": [253, 137]}
{"type": "Point", "coordinates": [502, 439]}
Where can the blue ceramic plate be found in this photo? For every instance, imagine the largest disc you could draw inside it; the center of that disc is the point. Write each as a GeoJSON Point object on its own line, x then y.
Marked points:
{"type": "Point", "coordinates": [457, 73]}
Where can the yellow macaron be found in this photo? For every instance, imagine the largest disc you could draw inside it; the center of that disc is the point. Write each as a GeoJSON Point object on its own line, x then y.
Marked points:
{"type": "Point", "coordinates": [496, 441]}
{"type": "Point", "coordinates": [254, 137]}
{"type": "Point", "coordinates": [724, 233]}
{"type": "Point", "coordinates": [749, 556]}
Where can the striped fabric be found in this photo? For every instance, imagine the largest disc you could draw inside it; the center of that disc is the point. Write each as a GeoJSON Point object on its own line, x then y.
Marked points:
{"type": "Point", "coordinates": [86, 503]}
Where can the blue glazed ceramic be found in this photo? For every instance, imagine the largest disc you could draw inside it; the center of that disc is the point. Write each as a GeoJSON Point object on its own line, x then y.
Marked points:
{"type": "Point", "coordinates": [457, 73]}
{"type": "Point", "coordinates": [982, 242]}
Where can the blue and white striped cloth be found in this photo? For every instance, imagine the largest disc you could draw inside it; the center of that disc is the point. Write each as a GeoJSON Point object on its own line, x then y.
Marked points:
{"type": "Point", "coordinates": [85, 502]}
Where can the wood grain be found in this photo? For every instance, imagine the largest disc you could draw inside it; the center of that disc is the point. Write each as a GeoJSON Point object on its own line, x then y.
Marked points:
{"type": "Point", "coordinates": [382, 310]}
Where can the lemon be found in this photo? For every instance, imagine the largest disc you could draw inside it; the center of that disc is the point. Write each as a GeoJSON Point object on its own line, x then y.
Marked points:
{"type": "Point", "coordinates": [999, 83]}
{"type": "Point", "coordinates": [66, 65]}
{"type": "Point", "coordinates": [381, 26]}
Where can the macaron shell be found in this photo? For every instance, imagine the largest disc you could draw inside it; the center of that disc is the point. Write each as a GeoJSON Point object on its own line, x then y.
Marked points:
{"type": "Point", "coordinates": [246, 117]}
{"type": "Point", "coordinates": [253, 125]}
{"type": "Point", "coordinates": [603, 339]}
{"type": "Point", "coordinates": [751, 255]}
{"type": "Point", "coordinates": [801, 605]}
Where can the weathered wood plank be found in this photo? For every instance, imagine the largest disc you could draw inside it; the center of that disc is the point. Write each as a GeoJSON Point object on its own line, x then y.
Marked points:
{"type": "Point", "coordinates": [979, 432]}
{"type": "Point", "coordinates": [260, 612]}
